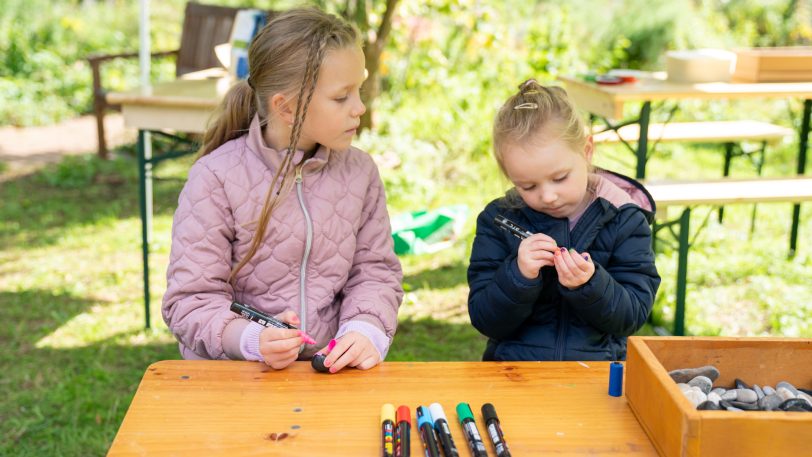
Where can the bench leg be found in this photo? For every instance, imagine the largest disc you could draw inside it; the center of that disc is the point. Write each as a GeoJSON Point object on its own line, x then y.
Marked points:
{"type": "Point", "coordinates": [682, 272]}
{"type": "Point", "coordinates": [145, 200]}
{"type": "Point", "coordinates": [759, 167]}
{"type": "Point", "coordinates": [802, 147]}
{"type": "Point", "coordinates": [726, 173]}
{"type": "Point", "coordinates": [642, 142]}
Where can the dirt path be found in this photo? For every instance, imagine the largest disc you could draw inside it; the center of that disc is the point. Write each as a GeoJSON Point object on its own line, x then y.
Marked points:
{"type": "Point", "coordinates": [26, 149]}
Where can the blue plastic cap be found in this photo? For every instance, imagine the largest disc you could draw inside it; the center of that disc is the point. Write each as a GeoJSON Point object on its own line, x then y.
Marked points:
{"type": "Point", "coordinates": [242, 67]}
{"type": "Point", "coordinates": [424, 416]}
{"type": "Point", "coordinates": [616, 379]}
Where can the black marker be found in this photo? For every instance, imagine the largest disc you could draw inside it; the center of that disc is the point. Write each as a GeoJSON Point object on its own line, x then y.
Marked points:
{"type": "Point", "coordinates": [443, 433]}
{"type": "Point", "coordinates": [495, 430]}
{"type": "Point", "coordinates": [471, 432]}
{"type": "Point", "coordinates": [403, 428]}
{"type": "Point", "coordinates": [427, 432]}
{"type": "Point", "coordinates": [511, 227]}
{"type": "Point", "coordinates": [265, 320]}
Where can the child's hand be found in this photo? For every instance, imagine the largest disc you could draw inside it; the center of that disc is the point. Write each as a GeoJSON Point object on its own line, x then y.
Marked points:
{"type": "Point", "coordinates": [353, 350]}
{"type": "Point", "coordinates": [280, 346]}
{"type": "Point", "coordinates": [535, 251]}
{"type": "Point", "coordinates": [574, 269]}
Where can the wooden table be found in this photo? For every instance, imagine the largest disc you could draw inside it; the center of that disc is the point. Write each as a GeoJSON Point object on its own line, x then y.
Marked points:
{"type": "Point", "coordinates": [182, 105]}
{"type": "Point", "coordinates": [239, 408]}
{"type": "Point", "coordinates": [608, 101]}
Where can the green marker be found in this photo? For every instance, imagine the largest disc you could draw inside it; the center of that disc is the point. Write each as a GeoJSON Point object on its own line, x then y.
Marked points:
{"type": "Point", "coordinates": [471, 433]}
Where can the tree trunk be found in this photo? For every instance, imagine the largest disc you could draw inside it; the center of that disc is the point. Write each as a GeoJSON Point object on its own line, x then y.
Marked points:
{"type": "Point", "coordinates": [373, 47]}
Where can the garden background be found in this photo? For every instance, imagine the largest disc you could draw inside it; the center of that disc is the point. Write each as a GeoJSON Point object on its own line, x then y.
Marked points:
{"type": "Point", "coordinates": [72, 343]}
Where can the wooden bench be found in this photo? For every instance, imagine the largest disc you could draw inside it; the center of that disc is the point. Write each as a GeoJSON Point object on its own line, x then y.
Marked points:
{"type": "Point", "coordinates": [715, 193]}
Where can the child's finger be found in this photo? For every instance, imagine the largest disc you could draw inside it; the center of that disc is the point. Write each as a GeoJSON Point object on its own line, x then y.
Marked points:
{"type": "Point", "coordinates": [344, 359]}
{"type": "Point", "coordinates": [289, 316]}
{"type": "Point", "coordinates": [561, 264]}
{"type": "Point", "coordinates": [280, 345]}
{"type": "Point", "coordinates": [368, 362]}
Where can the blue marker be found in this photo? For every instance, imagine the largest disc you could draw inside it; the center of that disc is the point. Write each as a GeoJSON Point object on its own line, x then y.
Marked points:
{"type": "Point", "coordinates": [424, 424]}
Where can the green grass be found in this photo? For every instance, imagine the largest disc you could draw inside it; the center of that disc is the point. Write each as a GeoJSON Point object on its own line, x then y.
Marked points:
{"type": "Point", "coordinates": [72, 344]}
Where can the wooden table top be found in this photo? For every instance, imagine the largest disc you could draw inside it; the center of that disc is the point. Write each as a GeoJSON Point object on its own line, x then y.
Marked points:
{"type": "Point", "coordinates": [243, 408]}
{"type": "Point", "coordinates": [608, 100]}
{"type": "Point", "coordinates": [724, 191]}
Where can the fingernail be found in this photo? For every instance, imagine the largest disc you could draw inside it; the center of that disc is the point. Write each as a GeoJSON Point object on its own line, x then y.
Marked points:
{"type": "Point", "coordinates": [562, 249]}
{"type": "Point", "coordinates": [572, 250]}
{"type": "Point", "coordinates": [558, 252]}
{"type": "Point", "coordinates": [331, 345]}
{"type": "Point", "coordinates": [586, 257]}
{"type": "Point", "coordinates": [327, 363]}
{"type": "Point", "coordinates": [332, 370]}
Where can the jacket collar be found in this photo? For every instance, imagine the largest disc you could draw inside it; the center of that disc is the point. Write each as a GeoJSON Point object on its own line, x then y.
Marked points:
{"type": "Point", "coordinates": [273, 158]}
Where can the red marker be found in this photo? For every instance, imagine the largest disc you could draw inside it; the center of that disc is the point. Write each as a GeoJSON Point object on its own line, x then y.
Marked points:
{"type": "Point", "coordinates": [403, 428]}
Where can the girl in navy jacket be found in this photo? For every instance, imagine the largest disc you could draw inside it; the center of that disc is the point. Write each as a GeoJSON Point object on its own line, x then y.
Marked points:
{"type": "Point", "coordinates": [584, 279]}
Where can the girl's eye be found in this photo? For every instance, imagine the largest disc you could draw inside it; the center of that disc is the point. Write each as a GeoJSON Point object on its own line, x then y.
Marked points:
{"type": "Point", "coordinates": [341, 99]}
{"type": "Point", "coordinates": [530, 187]}
{"type": "Point", "coordinates": [561, 178]}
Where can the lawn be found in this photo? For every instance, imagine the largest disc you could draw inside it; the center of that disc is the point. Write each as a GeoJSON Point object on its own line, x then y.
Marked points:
{"type": "Point", "coordinates": [73, 346]}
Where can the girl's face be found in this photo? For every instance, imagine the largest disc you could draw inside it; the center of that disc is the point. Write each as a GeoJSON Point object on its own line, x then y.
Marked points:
{"type": "Point", "coordinates": [335, 110]}
{"type": "Point", "coordinates": [549, 175]}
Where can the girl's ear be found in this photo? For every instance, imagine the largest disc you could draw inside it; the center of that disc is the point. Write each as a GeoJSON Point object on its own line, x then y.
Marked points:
{"type": "Point", "coordinates": [589, 148]}
{"type": "Point", "coordinates": [282, 107]}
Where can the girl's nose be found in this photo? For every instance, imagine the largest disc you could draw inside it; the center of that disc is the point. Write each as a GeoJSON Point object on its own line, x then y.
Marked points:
{"type": "Point", "coordinates": [359, 109]}
{"type": "Point", "coordinates": [548, 196]}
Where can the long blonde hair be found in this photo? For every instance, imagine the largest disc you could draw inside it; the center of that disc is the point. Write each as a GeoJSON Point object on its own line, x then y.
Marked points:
{"type": "Point", "coordinates": [535, 109]}
{"type": "Point", "coordinates": [284, 57]}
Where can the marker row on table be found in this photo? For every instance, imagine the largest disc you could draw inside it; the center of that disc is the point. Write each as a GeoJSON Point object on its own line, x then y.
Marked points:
{"type": "Point", "coordinates": [435, 434]}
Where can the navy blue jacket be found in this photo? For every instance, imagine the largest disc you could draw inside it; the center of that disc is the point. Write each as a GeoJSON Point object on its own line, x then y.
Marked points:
{"type": "Point", "coordinates": [540, 319]}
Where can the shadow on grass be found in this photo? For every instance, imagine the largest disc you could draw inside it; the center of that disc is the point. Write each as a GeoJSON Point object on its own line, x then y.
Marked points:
{"type": "Point", "coordinates": [427, 340]}
{"type": "Point", "coordinates": [443, 277]}
{"type": "Point", "coordinates": [64, 401]}
{"type": "Point", "coordinates": [80, 191]}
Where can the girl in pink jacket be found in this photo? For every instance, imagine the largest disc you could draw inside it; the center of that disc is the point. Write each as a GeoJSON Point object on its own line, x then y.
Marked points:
{"type": "Point", "coordinates": [280, 212]}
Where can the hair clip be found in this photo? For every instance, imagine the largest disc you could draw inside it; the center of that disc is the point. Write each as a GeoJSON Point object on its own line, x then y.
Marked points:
{"type": "Point", "coordinates": [528, 105]}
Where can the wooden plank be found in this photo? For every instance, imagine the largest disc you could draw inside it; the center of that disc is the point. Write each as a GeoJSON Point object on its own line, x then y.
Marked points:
{"type": "Point", "coordinates": [699, 132]}
{"type": "Point", "coordinates": [726, 191]}
{"type": "Point", "coordinates": [204, 93]}
{"type": "Point", "coordinates": [233, 408]}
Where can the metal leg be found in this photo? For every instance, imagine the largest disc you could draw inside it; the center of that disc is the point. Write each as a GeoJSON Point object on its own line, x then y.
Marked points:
{"type": "Point", "coordinates": [726, 173]}
{"type": "Point", "coordinates": [145, 200]}
{"type": "Point", "coordinates": [682, 272]}
{"type": "Point", "coordinates": [802, 147]}
{"type": "Point", "coordinates": [642, 143]}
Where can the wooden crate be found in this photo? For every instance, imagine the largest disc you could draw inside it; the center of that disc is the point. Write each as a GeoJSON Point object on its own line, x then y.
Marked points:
{"type": "Point", "coordinates": [676, 428]}
{"type": "Point", "coordinates": [773, 64]}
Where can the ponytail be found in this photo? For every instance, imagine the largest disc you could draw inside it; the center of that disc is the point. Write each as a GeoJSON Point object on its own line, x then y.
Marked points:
{"type": "Point", "coordinates": [232, 117]}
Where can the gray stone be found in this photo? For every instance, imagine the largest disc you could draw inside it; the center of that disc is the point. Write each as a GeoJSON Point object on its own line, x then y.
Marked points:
{"type": "Point", "coordinates": [696, 396]}
{"type": "Point", "coordinates": [743, 405]}
{"type": "Point", "coordinates": [686, 374]}
{"type": "Point", "coordinates": [770, 402]}
{"type": "Point", "coordinates": [709, 406]}
{"type": "Point", "coordinates": [740, 384]}
{"type": "Point", "coordinates": [784, 393]}
{"type": "Point", "coordinates": [746, 395]}
{"type": "Point", "coordinates": [759, 392]}
{"type": "Point", "coordinates": [795, 404]}
{"type": "Point", "coordinates": [719, 391]}
{"type": "Point", "coordinates": [768, 390]}
{"type": "Point", "coordinates": [703, 383]}
{"type": "Point", "coordinates": [684, 387]}
{"type": "Point", "coordinates": [714, 397]}
{"type": "Point", "coordinates": [787, 386]}
{"type": "Point", "coordinates": [806, 397]}
{"type": "Point", "coordinates": [731, 394]}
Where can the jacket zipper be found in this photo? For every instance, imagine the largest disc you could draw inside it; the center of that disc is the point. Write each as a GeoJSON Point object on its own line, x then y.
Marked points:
{"type": "Point", "coordinates": [561, 339]}
{"type": "Point", "coordinates": [308, 243]}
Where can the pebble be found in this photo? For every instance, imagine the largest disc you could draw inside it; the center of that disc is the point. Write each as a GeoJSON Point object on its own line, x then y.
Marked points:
{"type": "Point", "coordinates": [684, 387]}
{"type": "Point", "coordinates": [768, 390]}
{"type": "Point", "coordinates": [746, 395]}
{"type": "Point", "coordinates": [696, 396]}
{"type": "Point", "coordinates": [787, 386]}
{"type": "Point", "coordinates": [703, 383]}
{"type": "Point", "coordinates": [709, 406]}
{"type": "Point", "coordinates": [806, 397]}
{"type": "Point", "coordinates": [741, 384]}
{"type": "Point", "coordinates": [795, 404]}
{"type": "Point", "coordinates": [714, 397]}
{"type": "Point", "coordinates": [731, 394]}
{"type": "Point", "coordinates": [743, 405]}
{"type": "Point", "coordinates": [770, 402]}
{"type": "Point", "coordinates": [719, 391]}
{"type": "Point", "coordinates": [686, 374]}
{"type": "Point", "coordinates": [759, 392]}
{"type": "Point", "coordinates": [784, 393]}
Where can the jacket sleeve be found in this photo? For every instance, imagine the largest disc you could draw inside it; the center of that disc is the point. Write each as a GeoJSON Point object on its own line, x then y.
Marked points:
{"type": "Point", "coordinates": [373, 291]}
{"type": "Point", "coordinates": [618, 298]}
{"type": "Point", "coordinates": [198, 295]}
{"type": "Point", "coordinates": [500, 299]}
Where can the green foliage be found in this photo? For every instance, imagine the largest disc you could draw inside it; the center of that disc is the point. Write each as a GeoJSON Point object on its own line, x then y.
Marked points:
{"type": "Point", "coordinates": [84, 170]}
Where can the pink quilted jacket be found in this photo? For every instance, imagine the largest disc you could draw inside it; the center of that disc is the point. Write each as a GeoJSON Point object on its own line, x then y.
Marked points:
{"type": "Point", "coordinates": [328, 251]}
